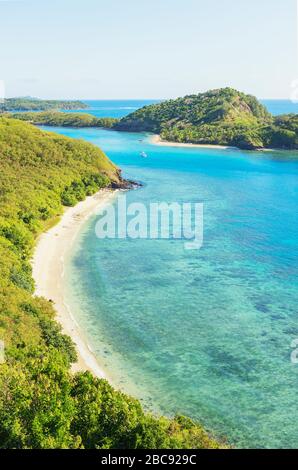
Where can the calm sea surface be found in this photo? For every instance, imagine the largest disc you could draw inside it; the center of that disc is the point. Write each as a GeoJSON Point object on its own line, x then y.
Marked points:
{"type": "Point", "coordinates": [205, 333]}
{"type": "Point", "coordinates": [113, 108]}
{"type": "Point", "coordinates": [120, 108]}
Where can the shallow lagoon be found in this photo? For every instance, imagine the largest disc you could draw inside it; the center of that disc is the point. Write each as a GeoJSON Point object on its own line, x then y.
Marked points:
{"type": "Point", "coordinates": [205, 333]}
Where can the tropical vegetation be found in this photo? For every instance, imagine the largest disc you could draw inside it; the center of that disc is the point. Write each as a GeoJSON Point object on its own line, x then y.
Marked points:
{"type": "Point", "coordinates": [223, 117]}
{"type": "Point", "coordinates": [220, 117]}
{"type": "Point", "coordinates": [59, 119]}
{"type": "Point", "coordinates": [35, 104]}
{"type": "Point", "coordinates": [42, 404]}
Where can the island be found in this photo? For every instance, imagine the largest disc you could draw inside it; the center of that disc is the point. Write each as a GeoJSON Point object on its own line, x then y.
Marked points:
{"type": "Point", "coordinates": [34, 104]}
{"type": "Point", "coordinates": [223, 117]}
{"type": "Point", "coordinates": [218, 117]}
{"type": "Point", "coordinates": [44, 403]}
{"type": "Point", "coordinates": [60, 119]}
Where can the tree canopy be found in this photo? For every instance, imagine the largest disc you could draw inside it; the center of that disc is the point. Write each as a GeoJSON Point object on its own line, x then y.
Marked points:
{"type": "Point", "coordinates": [42, 404]}
{"type": "Point", "coordinates": [59, 119]}
{"type": "Point", "coordinates": [35, 104]}
{"type": "Point", "coordinates": [223, 117]}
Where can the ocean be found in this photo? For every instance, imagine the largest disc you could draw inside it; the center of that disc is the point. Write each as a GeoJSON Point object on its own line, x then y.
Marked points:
{"type": "Point", "coordinates": [112, 108]}
{"type": "Point", "coordinates": [120, 108]}
{"type": "Point", "coordinates": [208, 332]}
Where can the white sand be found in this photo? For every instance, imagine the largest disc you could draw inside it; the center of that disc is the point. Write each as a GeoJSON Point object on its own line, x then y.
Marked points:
{"type": "Point", "coordinates": [48, 272]}
{"type": "Point", "coordinates": [157, 140]}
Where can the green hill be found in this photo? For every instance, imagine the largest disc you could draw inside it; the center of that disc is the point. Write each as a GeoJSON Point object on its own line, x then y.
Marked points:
{"type": "Point", "coordinates": [59, 119]}
{"type": "Point", "coordinates": [42, 405]}
{"type": "Point", "coordinates": [222, 117]}
{"type": "Point", "coordinates": [283, 133]}
{"type": "Point", "coordinates": [35, 104]}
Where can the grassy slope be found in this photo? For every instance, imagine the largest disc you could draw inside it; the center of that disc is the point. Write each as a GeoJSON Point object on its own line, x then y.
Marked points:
{"type": "Point", "coordinates": [41, 404]}
{"type": "Point", "coordinates": [39, 171]}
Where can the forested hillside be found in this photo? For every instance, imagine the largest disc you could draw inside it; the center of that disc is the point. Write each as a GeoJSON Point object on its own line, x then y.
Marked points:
{"type": "Point", "coordinates": [54, 118]}
{"type": "Point", "coordinates": [223, 117]}
{"type": "Point", "coordinates": [35, 104]}
{"type": "Point", "coordinates": [42, 405]}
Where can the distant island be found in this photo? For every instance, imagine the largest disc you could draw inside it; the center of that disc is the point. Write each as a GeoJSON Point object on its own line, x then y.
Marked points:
{"type": "Point", "coordinates": [35, 104]}
{"type": "Point", "coordinates": [218, 117]}
{"type": "Point", "coordinates": [224, 117]}
{"type": "Point", "coordinates": [59, 119]}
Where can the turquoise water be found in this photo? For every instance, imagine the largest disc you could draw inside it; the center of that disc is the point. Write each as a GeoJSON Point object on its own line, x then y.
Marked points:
{"type": "Point", "coordinates": [205, 333]}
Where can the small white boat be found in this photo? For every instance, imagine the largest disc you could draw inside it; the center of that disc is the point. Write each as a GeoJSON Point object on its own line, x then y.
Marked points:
{"type": "Point", "coordinates": [144, 154]}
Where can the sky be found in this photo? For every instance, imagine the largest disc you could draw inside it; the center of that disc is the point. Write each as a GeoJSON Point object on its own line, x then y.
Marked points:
{"type": "Point", "coordinates": [150, 49]}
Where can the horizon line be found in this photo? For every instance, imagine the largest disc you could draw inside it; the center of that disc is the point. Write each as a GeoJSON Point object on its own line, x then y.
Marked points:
{"type": "Point", "coordinates": [127, 99]}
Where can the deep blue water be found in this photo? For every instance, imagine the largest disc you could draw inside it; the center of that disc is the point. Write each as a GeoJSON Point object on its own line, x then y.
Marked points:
{"type": "Point", "coordinates": [113, 108]}
{"type": "Point", "coordinates": [277, 107]}
{"type": "Point", "coordinates": [120, 108]}
{"type": "Point", "coordinates": [205, 333]}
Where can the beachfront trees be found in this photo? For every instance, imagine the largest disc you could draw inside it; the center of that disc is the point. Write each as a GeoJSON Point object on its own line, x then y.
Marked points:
{"type": "Point", "coordinates": [54, 118]}
{"type": "Point", "coordinates": [221, 117]}
{"type": "Point", "coordinates": [43, 405]}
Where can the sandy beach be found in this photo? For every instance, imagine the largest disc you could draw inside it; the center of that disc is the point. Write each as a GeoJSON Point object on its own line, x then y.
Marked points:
{"type": "Point", "coordinates": [157, 140]}
{"type": "Point", "coordinates": [48, 272]}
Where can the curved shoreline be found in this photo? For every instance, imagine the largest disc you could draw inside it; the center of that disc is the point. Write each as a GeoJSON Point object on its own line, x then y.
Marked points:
{"type": "Point", "coordinates": [157, 140]}
{"type": "Point", "coordinates": [48, 272]}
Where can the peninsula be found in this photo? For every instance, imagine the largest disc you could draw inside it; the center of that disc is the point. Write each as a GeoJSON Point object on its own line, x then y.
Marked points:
{"type": "Point", "coordinates": [35, 104]}
{"type": "Point", "coordinates": [43, 403]}
{"type": "Point", "coordinates": [60, 119]}
{"type": "Point", "coordinates": [224, 117]}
